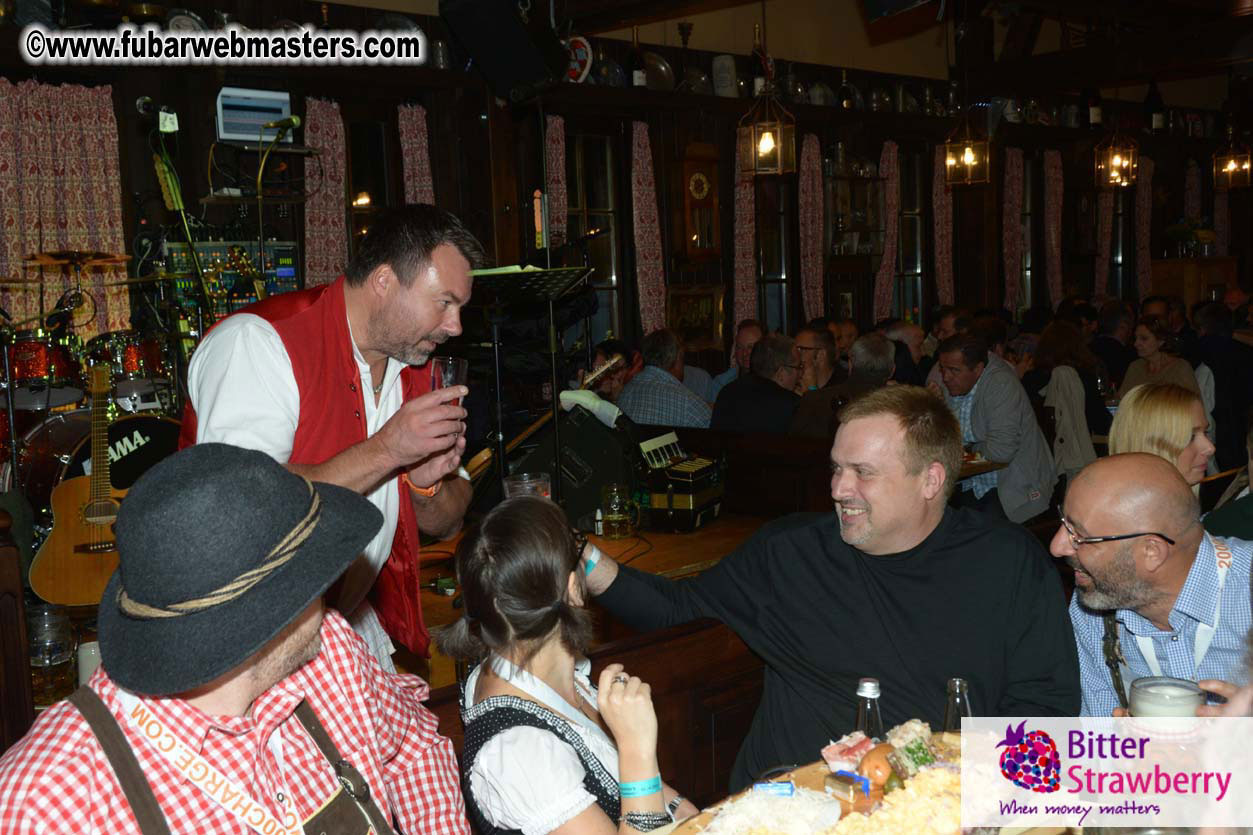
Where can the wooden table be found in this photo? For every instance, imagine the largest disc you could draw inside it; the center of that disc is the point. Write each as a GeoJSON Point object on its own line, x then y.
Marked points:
{"type": "Point", "coordinates": [979, 467]}
{"type": "Point", "coordinates": [669, 554]}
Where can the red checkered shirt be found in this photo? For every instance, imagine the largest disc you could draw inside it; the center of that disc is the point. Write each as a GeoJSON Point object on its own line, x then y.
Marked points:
{"type": "Point", "coordinates": [58, 780]}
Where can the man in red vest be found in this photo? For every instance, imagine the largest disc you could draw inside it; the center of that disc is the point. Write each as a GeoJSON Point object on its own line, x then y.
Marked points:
{"type": "Point", "coordinates": [330, 381]}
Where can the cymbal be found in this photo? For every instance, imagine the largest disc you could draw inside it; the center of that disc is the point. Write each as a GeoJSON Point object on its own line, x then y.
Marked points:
{"type": "Point", "coordinates": [75, 258]}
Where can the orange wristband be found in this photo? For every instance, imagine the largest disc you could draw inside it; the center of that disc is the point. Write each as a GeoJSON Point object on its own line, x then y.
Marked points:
{"type": "Point", "coordinates": [426, 492]}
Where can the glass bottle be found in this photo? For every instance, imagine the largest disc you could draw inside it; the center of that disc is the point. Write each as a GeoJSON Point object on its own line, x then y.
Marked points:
{"type": "Point", "coordinates": [639, 75]}
{"type": "Point", "coordinates": [848, 97]}
{"type": "Point", "coordinates": [958, 704]}
{"type": "Point", "coordinates": [869, 721]}
{"type": "Point", "coordinates": [1092, 107]}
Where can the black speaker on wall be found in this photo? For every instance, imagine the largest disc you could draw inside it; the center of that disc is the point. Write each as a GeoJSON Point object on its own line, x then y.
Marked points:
{"type": "Point", "coordinates": [519, 58]}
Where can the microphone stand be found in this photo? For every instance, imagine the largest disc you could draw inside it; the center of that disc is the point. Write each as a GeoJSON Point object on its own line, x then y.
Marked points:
{"type": "Point", "coordinates": [15, 477]}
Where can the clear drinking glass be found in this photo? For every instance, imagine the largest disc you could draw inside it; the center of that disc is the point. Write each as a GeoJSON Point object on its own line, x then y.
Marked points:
{"type": "Point", "coordinates": [449, 371]}
{"type": "Point", "coordinates": [528, 484]}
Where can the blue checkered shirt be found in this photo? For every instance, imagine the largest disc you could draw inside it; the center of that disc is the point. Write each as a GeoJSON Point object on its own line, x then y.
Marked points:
{"type": "Point", "coordinates": [961, 406]}
{"type": "Point", "coordinates": [1196, 604]}
{"type": "Point", "coordinates": [656, 398]}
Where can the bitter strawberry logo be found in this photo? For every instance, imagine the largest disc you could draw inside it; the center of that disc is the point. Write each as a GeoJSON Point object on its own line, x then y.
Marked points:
{"type": "Point", "coordinates": [1030, 760]}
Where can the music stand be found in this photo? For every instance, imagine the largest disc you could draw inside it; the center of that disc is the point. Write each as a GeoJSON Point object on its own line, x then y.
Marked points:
{"type": "Point", "coordinates": [496, 291]}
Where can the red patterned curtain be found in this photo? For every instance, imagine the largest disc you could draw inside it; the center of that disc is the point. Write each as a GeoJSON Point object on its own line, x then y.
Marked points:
{"type": "Point", "coordinates": [415, 154]}
{"type": "Point", "coordinates": [942, 205]}
{"type": "Point", "coordinates": [1222, 224]}
{"type": "Point", "coordinates": [885, 279]}
{"type": "Point", "coordinates": [810, 199]}
{"type": "Point", "coordinates": [60, 189]}
{"type": "Point", "coordinates": [745, 243]}
{"type": "Point", "coordinates": [1192, 191]}
{"type": "Point", "coordinates": [1104, 241]}
{"type": "Point", "coordinates": [326, 229]}
{"type": "Point", "coordinates": [1053, 182]}
{"type": "Point", "coordinates": [650, 274]}
{"type": "Point", "coordinates": [1144, 225]}
{"type": "Point", "coordinates": [1011, 227]}
{"type": "Point", "coordinates": [558, 199]}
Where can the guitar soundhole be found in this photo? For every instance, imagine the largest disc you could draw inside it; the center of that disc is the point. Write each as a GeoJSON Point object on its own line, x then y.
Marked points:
{"type": "Point", "coordinates": [101, 512]}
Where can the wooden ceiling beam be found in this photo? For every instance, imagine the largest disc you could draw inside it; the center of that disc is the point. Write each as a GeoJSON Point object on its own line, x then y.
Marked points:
{"type": "Point", "coordinates": [592, 17]}
{"type": "Point", "coordinates": [1205, 49]}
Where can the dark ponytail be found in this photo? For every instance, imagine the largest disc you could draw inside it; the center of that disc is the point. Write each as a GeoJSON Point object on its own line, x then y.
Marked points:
{"type": "Point", "coordinates": [513, 570]}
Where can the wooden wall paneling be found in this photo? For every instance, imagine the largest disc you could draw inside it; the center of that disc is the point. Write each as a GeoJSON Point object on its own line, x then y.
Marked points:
{"type": "Point", "coordinates": [508, 206]}
{"type": "Point", "coordinates": [16, 700]}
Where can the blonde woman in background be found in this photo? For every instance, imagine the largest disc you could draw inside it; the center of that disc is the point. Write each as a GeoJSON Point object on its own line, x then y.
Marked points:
{"type": "Point", "coordinates": [1165, 420]}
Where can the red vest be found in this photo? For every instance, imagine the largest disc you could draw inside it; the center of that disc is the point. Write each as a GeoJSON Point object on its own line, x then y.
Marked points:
{"type": "Point", "coordinates": [313, 325]}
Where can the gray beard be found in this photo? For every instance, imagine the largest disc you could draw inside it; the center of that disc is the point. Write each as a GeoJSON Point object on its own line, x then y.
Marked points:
{"type": "Point", "coordinates": [867, 532]}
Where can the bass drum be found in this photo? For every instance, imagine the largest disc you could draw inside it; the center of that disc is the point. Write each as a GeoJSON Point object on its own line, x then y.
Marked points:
{"type": "Point", "coordinates": [60, 448]}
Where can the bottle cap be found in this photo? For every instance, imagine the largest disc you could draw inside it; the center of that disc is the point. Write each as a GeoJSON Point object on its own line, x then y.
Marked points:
{"type": "Point", "coordinates": [957, 685]}
{"type": "Point", "coordinates": [868, 688]}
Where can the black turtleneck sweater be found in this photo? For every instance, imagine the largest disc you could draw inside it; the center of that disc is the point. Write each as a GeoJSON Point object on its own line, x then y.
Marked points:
{"type": "Point", "coordinates": [977, 599]}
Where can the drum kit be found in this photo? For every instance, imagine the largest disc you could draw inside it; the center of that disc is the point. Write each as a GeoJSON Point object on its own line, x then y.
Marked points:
{"type": "Point", "coordinates": [43, 393]}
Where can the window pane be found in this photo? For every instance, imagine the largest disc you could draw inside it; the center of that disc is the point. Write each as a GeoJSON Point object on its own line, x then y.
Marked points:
{"type": "Point", "coordinates": [909, 182]}
{"type": "Point", "coordinates": [601, 252]}
{"type": "Point", "coordinates": [596, 172]}
{"type": "Point", "coordinates": [776, 305]}
{"type": "Point", "coordinates": [911, 244]}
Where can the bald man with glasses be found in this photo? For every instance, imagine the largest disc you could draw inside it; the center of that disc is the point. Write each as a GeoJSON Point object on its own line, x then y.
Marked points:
{"type": "Point", "coordinates": [1155, 595]}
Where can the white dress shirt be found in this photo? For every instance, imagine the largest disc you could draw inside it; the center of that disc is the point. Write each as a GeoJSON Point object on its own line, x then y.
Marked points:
{"type": "Point", "coordinates": [244, 392]}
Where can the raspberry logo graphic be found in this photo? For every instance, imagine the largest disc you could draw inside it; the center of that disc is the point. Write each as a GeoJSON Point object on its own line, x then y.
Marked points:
{"type": "Point", "coordinates": [1030, 760]}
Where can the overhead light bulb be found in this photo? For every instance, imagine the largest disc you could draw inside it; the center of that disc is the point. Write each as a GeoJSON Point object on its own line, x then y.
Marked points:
{"type": "Point", "coordinates": [766, 144]}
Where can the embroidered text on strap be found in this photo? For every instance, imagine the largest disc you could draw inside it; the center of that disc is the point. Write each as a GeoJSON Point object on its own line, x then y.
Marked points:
{"type": "Point", "coordinates": [279, 555]}
{"type": "Point", "coordinates": [225, 793]}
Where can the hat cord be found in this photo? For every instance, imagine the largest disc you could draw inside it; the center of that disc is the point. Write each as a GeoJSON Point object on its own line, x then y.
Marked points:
{"type": "Point", "coordinates": [279, 556]}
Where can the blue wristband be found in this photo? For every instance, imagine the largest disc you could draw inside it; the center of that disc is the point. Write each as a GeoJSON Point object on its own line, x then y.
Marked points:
{"type": "Point", "coordinates": [591, 556]}
{"type": "Point", "coordinates": [640, 788]}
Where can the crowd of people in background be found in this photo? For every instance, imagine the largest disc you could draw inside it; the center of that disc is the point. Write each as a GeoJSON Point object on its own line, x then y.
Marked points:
{"type": "Point", "coordinates": [1075, 363]}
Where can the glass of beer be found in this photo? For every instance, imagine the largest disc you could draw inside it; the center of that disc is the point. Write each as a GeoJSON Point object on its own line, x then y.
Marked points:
{"type": "Point", "coordinates": [52, 652]}
{"type": "Point", "coordinates": [620, 513]}
{"type": "Point", "coordinates": [1165, 696]}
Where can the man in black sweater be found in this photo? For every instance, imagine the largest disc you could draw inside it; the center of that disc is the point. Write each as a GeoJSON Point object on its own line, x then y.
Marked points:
{"type": "Point", "coordinates": [895, 585]}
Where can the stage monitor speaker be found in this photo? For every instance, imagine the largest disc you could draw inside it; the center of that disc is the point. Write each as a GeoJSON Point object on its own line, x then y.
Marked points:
{"type": "Point", "coordinates": [593, 455]}
{"type": "Point", "coordinates": [519, 58]}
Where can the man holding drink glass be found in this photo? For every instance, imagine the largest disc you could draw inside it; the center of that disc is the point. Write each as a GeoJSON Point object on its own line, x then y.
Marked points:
{"type": "Point", "coordinates": [329, 381]}
{"type": "Point", "coordinates": [1159, 603]}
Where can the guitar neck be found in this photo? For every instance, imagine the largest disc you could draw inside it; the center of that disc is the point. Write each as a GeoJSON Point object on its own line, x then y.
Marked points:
{"type": "Point", "coordinates": [100, 483]}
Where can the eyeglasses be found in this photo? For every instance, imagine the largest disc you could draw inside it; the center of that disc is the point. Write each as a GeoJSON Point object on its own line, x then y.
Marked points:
{"type": "Point", "coordinates": [809, 348]}
{"type": "Point", "coordinates": [1076, 540]}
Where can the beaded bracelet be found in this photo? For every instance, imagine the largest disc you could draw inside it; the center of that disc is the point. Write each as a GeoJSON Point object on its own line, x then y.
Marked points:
{"type": "Point", "coordinates": [640, 788]}
{"type": "Point", "coordinates": [673, 806]}
{"type": "Point", "coordinates": [646, 821]}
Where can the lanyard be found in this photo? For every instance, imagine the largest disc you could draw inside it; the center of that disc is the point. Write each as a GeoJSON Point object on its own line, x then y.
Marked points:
{"type": "Point", "coordinates": [222, 790]}
{"type": "Point", "coordinates": [1204, 632]}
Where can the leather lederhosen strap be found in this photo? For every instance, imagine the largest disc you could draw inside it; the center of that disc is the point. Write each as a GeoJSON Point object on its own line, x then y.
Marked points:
{"type": "Point", "coordinates": [1112, 651]}
{"type": "Point", "coordinates": [350, 811]}
{"type": "Point", "coordinates": [339, 815]}
{"type": "Point", "coordinates": [122, 757]}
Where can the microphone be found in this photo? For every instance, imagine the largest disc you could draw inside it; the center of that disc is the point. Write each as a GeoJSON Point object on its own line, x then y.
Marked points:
{"type": "Point", "coordinates": [286, 123]}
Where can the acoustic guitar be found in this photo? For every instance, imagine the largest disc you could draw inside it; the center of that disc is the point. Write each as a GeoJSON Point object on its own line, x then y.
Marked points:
{"type": "Point", "coordinates": [74, 564]}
